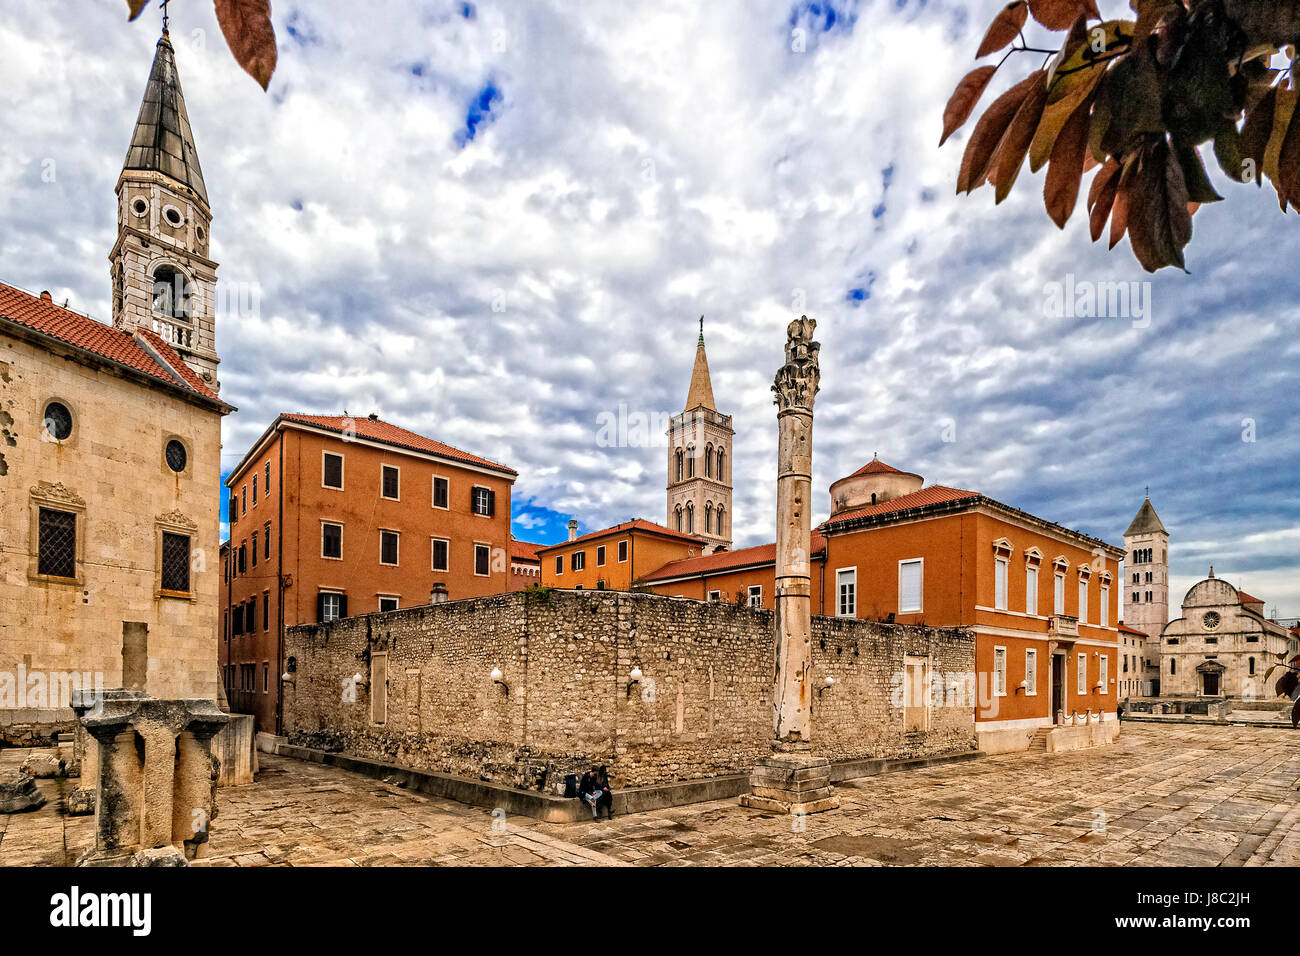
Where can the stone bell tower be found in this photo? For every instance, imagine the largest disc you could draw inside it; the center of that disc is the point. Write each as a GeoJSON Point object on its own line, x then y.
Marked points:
{"type": "Point", "coordinates": [163, 278]}
{"type": "Point", "coordinates": [699, 462]}
{"type": "Point", "coordinates": [1146, 573]}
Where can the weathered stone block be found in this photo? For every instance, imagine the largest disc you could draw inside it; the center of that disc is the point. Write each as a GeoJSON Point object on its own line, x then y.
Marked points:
{"type": "Point", "coordinates": [19, 793]}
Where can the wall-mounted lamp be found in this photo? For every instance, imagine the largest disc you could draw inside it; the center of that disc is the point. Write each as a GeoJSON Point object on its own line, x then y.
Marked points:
{"type": "Point", "coordinates": [359, 681]}
{"type": "Point", "coordinates": [636, 676]}
{"type": "Point", "coordinates": [1023, 686]}
{"type": "Point", "coordinates": [827, 683]}
{"type": "Point", "coordinates": [496, 679]}
{"type": "Point", "coordinates": [287, 678]}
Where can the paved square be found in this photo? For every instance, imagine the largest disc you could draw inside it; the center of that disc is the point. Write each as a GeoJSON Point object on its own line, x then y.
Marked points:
{"type": "Point", "coordinates": [1162, 795]}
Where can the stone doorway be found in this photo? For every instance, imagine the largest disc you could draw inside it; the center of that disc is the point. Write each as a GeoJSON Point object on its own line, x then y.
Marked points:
{"type": "Point", "coordinates": [1058, 686]}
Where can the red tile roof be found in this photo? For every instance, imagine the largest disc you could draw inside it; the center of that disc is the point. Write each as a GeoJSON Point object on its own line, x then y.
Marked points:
{"type": "Point", "coordinates": [934, 495]}
{"type": "Point", "coordinates": [876, 467]}
{"type": "Point", "coordinates": [636, 524]}
{"type": "Point", "coordinates": [721, 561]}
{"type": "Point", "coordinates": [389, 434]}
{"type": "Point", "coordinates": [1125, 629]}
{"type": "Point", "coordinates": [524, 550]}
{"type": "Point", "coordinates": [141, 352]}
{"type": "Point", "coordinates": [1248, 598]}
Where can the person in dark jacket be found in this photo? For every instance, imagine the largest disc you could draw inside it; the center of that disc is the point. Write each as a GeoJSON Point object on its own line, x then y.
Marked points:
{"type": "Point", "coordinates": [595, 790]}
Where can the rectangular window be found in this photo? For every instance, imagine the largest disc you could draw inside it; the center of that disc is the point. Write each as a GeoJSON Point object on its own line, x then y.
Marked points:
{"type": "Point", "coordinates": [622, 551]}
{"type": "Point", "coordinates": [559, 564]}
{"type": "Point", "coordinates": [391, 483]}
{"type": "Point", "coordinates": [332, 470]}
{"type": "Point", "coordinates": [756, 595]}
{"type": "Point", "coordinates": [234, 513]}
{"type": "Point", "coordinates": [175, 562]}
{"type": "Point", "coordinates": [1103, 673]}
{"type": "Point", "coordinates": [1031, 590]}
{"type": "Point", "coordinates": [388, 547]}
{"type": "Point", "coordinates": [330, 606]}
{"type": "Point", "coordinates": [441, 551]}
{"type": "Point", "coordinates": [1000, 671]}
{"type": "Point", "coordinates": [1083, 602]}
{"type": "Point", "coordinates": [579, 560]}
{"type": "Point", "coordinates": [243, 558]}
{"type": "Point", "coordinates": [440, 495]}
{"type": "Point", "coordinates": [715, 596]}
{"type": "Point", "coordinates": [482, 560]}
{"type": "Point", "coordinates": [331, 540]}
{"type": "Point", "coordinates": [1058, 593]}
{"type": "Point", "coordinates": [600, 556]}
{"type": "Point", "coordinates": [483, 501]}
{"type": "Point", "coordinates": [254, 549]}
{"type": "Point", "coordinates": [909, 586]}
{"type": "Point", "coordinates": [266, 677]}
{"type": "Point", "coordinates": [1000, 584]}
{"type": "Point", "coordinates": [1081, 677]}
{"type": "Point", "coordinates": [1031, 672]}
{"type": "Point", "coordinates": [266, 538]}
{"type": "Point", "coordinates": [916, 694]}
{"type": "Point", "coordinates": [255, 491]}
{"type": "Point", "coordinates": [387, 603]}
{"type": "Point", "coordinates": [1105, 607]}
{"type": "Point", "coordinates": [846, 589]}
{"type": "Point", "coordinates": [57, 543]}
{"type": "Point", "coordinates": [243, 500]}
{"type": "Point", "coordinates": [268, 477]}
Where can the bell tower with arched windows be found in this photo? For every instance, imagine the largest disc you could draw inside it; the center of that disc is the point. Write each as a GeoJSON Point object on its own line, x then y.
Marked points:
{"type": "Point", "coordinates": [163, 279]}
{"type": "Point", "coordinates": [699, 462]}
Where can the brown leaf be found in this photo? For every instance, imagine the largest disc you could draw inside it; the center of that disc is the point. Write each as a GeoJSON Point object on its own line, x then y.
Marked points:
{"type": "Point", "coordinates": [1283, 113]}
{"type": "Point", "coordinates": [1060, 14]}
{"type": "Point", "coordinates": [135, 8]}
{"type": "Point", "coordinates": [248, 31]}
{"type": "Point", "coordinates": [1159, 225]}
{"type": "Point", "coordinates": [1006, 26]}
{"type": "Point", "coordinates": [964, 98]}
{"type": "Point", "coordinates": [1056, 115]}
{"type": "Point", "coordinates": [988, 134]}
{"type": "Point", "coordinates": [1010, 154]}
{"type": "Point", "coordinates": [1288, 165]}
{"type": "Point", "coordinates": [1119, 211]}
{"type": "Point", "coordinates": [1061, 189]}
{"type": "Point", "coordinates": [1101, 196]}
{"type": "Point", "coordinates": [1255, 134]}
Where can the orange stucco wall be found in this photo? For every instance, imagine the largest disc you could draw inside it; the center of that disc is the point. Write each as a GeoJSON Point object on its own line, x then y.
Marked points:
{"type": "Point", "coordinates": [646, 552]}
{"type": "Point", "coordinates": [738, 582]}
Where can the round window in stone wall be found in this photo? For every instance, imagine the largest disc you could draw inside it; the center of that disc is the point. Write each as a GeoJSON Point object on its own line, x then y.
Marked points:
{"type": "Point", "coordinates": [176, 456]}
{"type": "Point", "coordinates": [173, 216]}
{"type": "Point", "coordinates": [140, 206]}
{"type": "Point", "coordinates": [58, 421]}
{"type": "Point", "coordinates": [1211, 620]}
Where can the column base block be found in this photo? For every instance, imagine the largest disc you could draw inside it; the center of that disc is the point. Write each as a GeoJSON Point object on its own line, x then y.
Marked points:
{"type": "Point", "coordinates": [791, 783]}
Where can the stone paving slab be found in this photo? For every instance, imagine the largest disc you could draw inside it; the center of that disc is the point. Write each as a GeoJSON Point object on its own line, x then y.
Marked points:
{"type": "Point", "coordinates": [1191, 795]}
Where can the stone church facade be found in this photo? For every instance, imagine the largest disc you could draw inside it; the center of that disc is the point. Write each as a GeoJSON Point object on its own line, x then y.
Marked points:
{"type": "Point", "coordinates": [110, 445]}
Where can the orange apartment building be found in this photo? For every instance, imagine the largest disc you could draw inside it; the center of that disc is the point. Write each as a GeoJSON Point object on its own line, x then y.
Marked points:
{"type": "Point", "coordinates": [333, 516]}
{"type": "Point", "coordinates": [614, 558]}
{"type": "Point", "coordinates": [1042, 599]}
{"type": "Point", "coordinates": [525, 566]}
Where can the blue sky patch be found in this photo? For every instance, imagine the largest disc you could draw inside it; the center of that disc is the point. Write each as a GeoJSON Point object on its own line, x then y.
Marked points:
{"type": "Point", "coordinates": [479, 113]}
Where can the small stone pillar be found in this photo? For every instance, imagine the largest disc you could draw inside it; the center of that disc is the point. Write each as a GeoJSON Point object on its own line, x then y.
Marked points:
{"type": "Point", "coordinates": [793, 779]}
{"type": "Point", "coordinates": [438, 593]}
{"type": "Point", "coordinates": [156, 779]}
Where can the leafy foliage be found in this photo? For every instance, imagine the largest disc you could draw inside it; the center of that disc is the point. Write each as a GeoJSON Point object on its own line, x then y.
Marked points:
{"type": "Point", "coordinates": [1134, 99]}
{"type": "Point", "coordinates": [246, 25]}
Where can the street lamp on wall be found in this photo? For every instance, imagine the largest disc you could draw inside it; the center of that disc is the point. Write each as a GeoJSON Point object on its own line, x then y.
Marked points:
{"type": "Point", "coordinates": [636, 676]}
{"type": "Point", "coordinates": [496, 679]}
{"type": "Point", "coordinates": [827, 683]}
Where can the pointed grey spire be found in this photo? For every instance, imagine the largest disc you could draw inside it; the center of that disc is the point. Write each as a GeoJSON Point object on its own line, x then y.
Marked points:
{"type": "Point", "coordinates": [162, 141]}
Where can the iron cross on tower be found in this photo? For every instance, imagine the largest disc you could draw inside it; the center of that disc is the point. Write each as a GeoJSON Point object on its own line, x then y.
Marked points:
{"type": "Point", "coordinates": [165, 17]}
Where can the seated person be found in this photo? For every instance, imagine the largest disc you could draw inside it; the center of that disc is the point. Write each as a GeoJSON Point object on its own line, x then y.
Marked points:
{"type": "Point", "coordinates": [595, 790]}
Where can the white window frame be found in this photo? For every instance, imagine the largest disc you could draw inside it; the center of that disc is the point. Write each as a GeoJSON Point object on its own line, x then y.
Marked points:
{"type": "Point", "coordinates": [1031, 589]}
{"type": "Point", "coordinates": [1104, 612]}
{"type": "Point", "coordinates": [396, 534]}
{"type": "Point", "coordinates": [1058, 592]}
{"type": "Point", "coordinates": [559, 564]}
{"type": "Point", "coordinates": [1083, 601]}
{"type": "Point", "coordinates": [397, 603]}
{"type": "Point", "coordinates": [487, 498]}
{"type": "Point", "coordinates": [623, 551]}
{"type": "Point", "coordinates": [999, 671]}
{"type": "Point", "coordinates": [433, 493]}
{"type": "Point", "coordinates": [920, 603]}
{"type": "Point", "coordinates": [1001, 571]}
{"type": "Point", "coordinates": [841, 610]}
{"type": "Point", "coordinates": [343, 466]}
{"type": "Point", "coordinates": [1103, 672]}
{"type": "Point", "coordinates": [578, 561]}
{"type": "Point", "coordinates": [433, 564]}
{"type": "Point", "coordinates": [714, 597]}
{"type": "Point", "coordinates": [397, 468]}
{"type": "Point", "coordinates": [1081, 673]}
{"type": "Point", "coordinates": [488, 548]}
{"type": "Point", "coordinates": [1031, 672]}
{"type": "Point", "coordinates": [337, 597]}
{"type": "Point", "coordinates": [755, 591]}
{"type": "Point", "coordinates": [600, 555]}
{"type": "Point", "coordinates": [324, 556]}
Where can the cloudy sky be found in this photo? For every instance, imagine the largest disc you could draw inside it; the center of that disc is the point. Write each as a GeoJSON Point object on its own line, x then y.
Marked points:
{"type": "Point", "coordinates": [495, 222]}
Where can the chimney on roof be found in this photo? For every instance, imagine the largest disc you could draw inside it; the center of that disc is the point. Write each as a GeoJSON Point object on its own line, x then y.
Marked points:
{"type": "Point", "coordinates": [46, 297]}
{"type": "Point", "coordinates": [573, 529]}
{"type": "Point", "coordinates": [373, 417]}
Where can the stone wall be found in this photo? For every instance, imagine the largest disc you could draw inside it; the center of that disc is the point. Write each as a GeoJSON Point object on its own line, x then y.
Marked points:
{"type": "Point", "coordinates": [703, 707]}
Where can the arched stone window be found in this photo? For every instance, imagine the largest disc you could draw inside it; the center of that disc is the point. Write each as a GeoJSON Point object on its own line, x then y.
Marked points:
{"type": "Point", "coordinates": [708, 517]}
{"type": "Point", "coordinates": [690, 517]}
{"type": "Point", "coordinates": [721, 530]}
{"type": "Point", "coordinates": [708, 460]}
{"type": "Point", "coordinates": [690, 461]}
{"type": "Point", "coordinates": [171, 293]}
{"type": "Point", "coordinates": [722, 475]}
{"type": "Point", "coordinates": [679, 517]}
{"type": "Point", "coordinates": [680, 466]}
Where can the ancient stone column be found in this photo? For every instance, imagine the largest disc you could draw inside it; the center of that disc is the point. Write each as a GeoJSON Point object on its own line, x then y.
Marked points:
{"type": "Point", "coordinates": [793, 780]}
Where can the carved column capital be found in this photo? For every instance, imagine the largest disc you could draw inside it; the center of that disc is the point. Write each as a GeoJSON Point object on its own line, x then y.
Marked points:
{"type": "Point", "coordinates": [798, 380]}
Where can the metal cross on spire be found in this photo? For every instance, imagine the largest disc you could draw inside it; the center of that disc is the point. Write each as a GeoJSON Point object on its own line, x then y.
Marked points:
{"type": "Point", "coordinates": [165, 16]}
